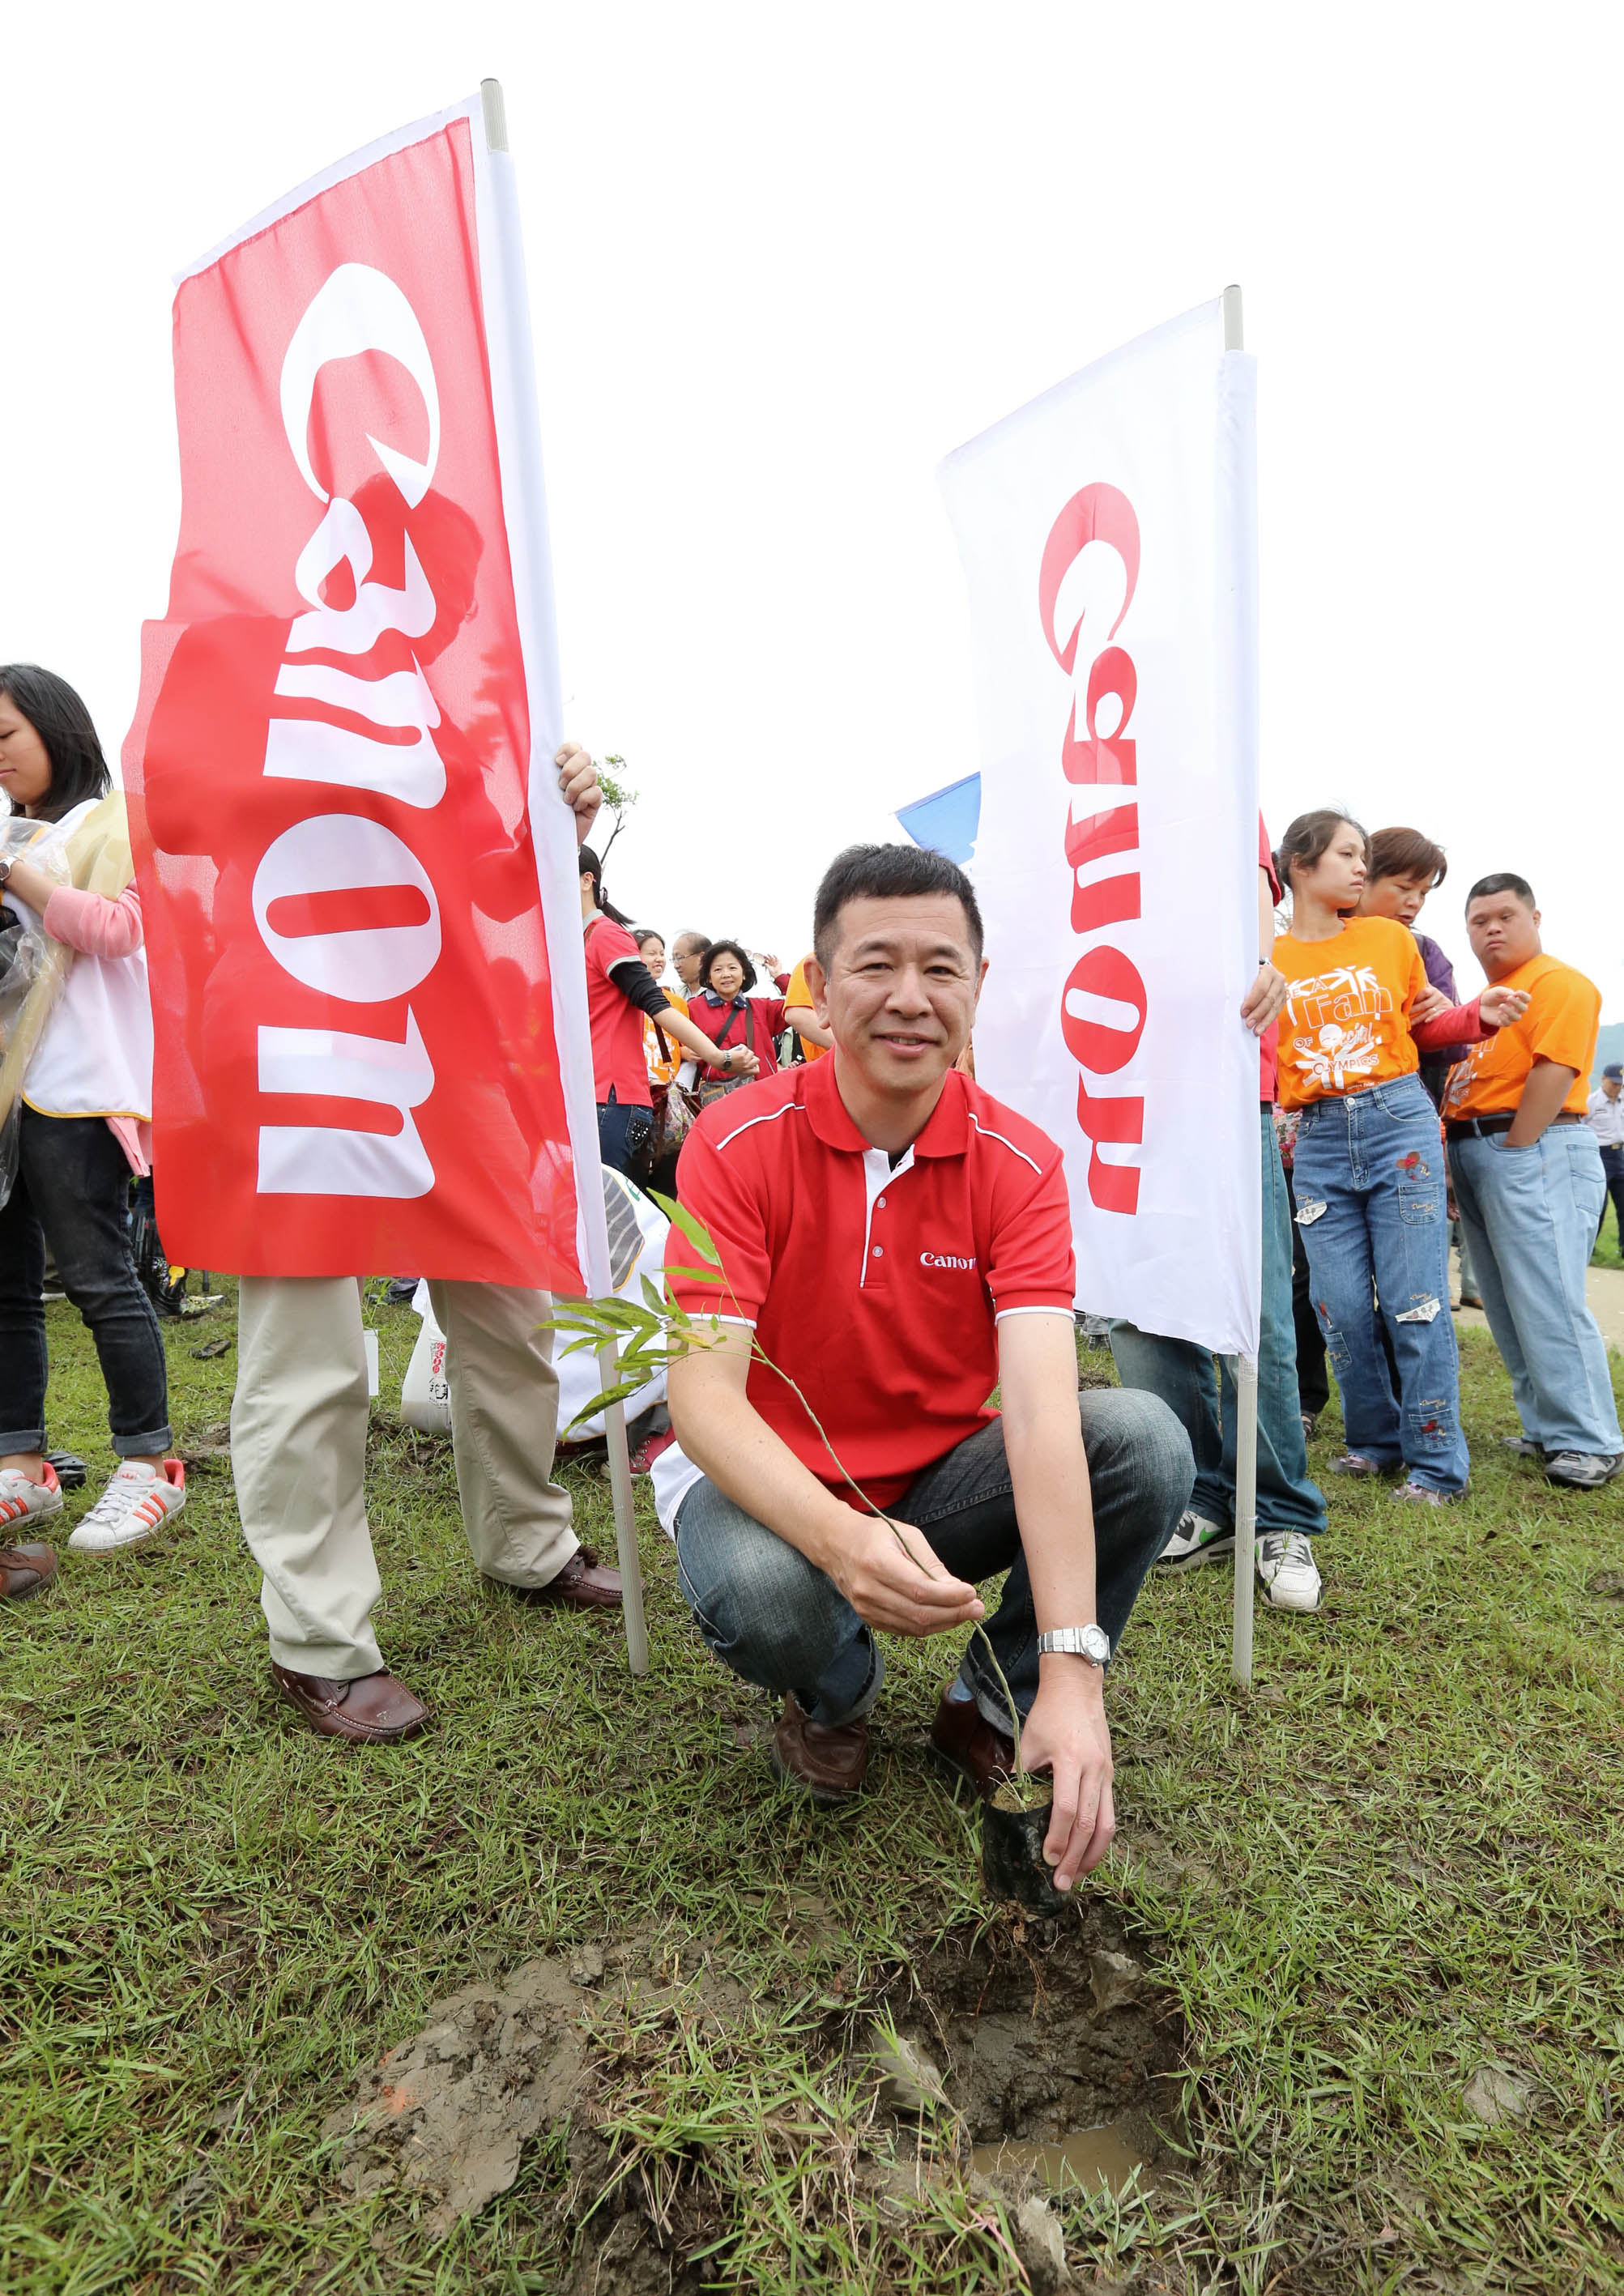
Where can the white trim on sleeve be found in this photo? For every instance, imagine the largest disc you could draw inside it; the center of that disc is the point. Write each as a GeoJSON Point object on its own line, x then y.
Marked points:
{"type": "Point", "coordinates": [1003, 1312]}
{"type": "Point", "coordinates": [987, 1134]}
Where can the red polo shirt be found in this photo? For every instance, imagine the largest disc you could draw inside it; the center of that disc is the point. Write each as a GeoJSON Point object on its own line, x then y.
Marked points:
{"type": "Point", "coordinates": [877, 1291]}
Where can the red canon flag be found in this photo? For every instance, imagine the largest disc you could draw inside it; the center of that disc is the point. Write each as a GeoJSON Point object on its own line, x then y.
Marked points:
{"type": "Point", "coordinates": [360, 899]}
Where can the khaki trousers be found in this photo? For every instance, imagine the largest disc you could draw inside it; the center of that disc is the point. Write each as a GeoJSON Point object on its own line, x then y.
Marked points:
{"type": "Point", "coordinates": [299, 1453]}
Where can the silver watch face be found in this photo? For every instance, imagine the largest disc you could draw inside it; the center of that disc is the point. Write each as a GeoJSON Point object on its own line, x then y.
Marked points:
{"type": "Point", "coordinates": [1090, 1643]}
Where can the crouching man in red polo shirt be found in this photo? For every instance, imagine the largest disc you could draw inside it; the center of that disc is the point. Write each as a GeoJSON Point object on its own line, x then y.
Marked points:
{"type": "Point", "coordinates": [899, 1242]}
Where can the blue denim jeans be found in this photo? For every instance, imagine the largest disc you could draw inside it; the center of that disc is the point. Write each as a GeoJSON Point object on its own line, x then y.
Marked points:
{"type": "Point", "coordinates": [72, 1191]}
{"type": "Point", "coordinates": [778, 1621]}
{"type": "Point", "coordinates": [1203, 1398]}
{"type": "Point", "coordinates": [1372, 1206]}
{"type": "Point", "coordinates": [626, 1136]}
{"type": "Point", "coordinates": [1530, 1215]}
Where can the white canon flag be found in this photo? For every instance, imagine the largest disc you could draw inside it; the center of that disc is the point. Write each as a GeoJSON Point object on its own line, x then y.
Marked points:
{"type": "Point", "coordinates": [1108, 534]}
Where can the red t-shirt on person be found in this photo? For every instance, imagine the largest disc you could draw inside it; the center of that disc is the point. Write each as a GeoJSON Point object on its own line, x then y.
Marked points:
{"type": "Point", "coordinates": [617, 1023]}
{"type": "Point", "coordinates": [878, 1291]}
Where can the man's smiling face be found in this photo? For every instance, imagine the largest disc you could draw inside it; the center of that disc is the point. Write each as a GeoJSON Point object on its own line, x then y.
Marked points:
{"type": "Point", "coordinates": [900, 993]}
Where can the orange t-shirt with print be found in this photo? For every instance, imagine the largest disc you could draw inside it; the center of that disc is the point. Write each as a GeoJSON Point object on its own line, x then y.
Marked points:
{"type": "Point", "coordinates": [1564, 1017]}
{"type": "Point", "coordinates": [1346, 1022]}
{"type": "Point", "coordinates": [798, 992]}
{"type": "Point", "coordinates": [662, 1053]}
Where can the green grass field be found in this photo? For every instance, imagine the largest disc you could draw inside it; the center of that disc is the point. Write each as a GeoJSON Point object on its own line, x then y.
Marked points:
{"type": "Point", "coordinates": [1397, 1864]}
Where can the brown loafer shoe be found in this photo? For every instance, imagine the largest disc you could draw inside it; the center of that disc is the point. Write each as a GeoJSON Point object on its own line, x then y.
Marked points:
{"type": "Point", "coordinates": [830, 1762]}
{"type": "Point", "coordinates": [582, 1585]}
{"type": "Point", "coordinates": [963, 1742]}
{"type": "Point", "coordinates": [373, 1711]}
{"type": "Point", "coordinates": [24, 1570]}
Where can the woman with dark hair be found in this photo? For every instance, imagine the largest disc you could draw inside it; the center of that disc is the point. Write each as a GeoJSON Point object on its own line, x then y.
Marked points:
{"type": "Point", "coordinates": [1368, 1171]}
{"type": "Point", "coordinates": [665, 1062]}
{"type": "Point", "coordinates": [620, 990]}
{"type": "Point", "coordinates": [731, 1017]}
{"type": "Point", "coordinates": [1404, 867]}
{"type": "Point", "coordinates": [84, 1043]}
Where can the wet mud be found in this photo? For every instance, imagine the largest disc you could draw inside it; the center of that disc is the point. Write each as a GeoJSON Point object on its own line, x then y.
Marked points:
{"type": "Point", "coordinates": [1031, 2053]}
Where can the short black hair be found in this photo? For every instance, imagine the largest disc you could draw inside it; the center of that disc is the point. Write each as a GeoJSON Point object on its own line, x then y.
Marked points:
{"type": "Point", "coordinates": [714, 948]}
{"type": "Point", "coordinates": [888, 872]}
{"type": "Point", "coordinates": [1504, 880]}
{"type": "Point", "coordinates": [58, 716]}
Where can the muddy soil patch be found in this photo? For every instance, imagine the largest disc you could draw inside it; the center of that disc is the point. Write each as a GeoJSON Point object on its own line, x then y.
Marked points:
{"type": "Point", "coordinates": [449, 2113]}
{"type": "Point", "coordinates": [990, 2054]}
{"type": "Point", "coordinates": [1042, 2030]}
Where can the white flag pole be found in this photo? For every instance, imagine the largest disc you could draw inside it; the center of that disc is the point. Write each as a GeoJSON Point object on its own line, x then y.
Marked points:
{"type": "Point", "coordinates": [510, 332]}
{"type": "Point", "coordinates": [1245, 1514]}
{"type": "Point", "coordinates": [626, 1527]}
{"type": "Point", "coordinates": [1245, 1371]}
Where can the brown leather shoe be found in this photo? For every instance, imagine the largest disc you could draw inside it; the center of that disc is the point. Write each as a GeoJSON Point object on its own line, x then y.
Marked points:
{"type": "Point", "coordinates": [374, 1710]}
{"type": "Point", "coordinates": [24, 1570]}
{"type": "Point", "coordinates": [830, 1762]}
{"type": "Point", "coordinates": [963, 1742]}
{"type": "Point", "coordinates": [582, 1585]}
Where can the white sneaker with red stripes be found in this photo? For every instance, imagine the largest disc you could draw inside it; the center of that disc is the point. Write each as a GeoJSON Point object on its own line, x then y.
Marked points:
{"type": "Point", "coordinates": [23, 1500]}
{"type": "Point", "coordinates": [138, 1501]}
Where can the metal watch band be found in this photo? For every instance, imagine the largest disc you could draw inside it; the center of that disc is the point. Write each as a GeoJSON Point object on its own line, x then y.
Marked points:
{"type": "Point", "coordinates": [1077, 1641]}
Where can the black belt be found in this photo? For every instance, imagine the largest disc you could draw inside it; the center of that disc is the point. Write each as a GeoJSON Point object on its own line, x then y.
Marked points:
{"type": "Point", "coordinates": [1481, 1128]}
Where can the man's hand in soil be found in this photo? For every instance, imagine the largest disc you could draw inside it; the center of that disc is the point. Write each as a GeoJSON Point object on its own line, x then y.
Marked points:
{"type": "Point", "coordinates": [1066, 1734]}
{"type": "Point", "coordinates": [905, 1593]}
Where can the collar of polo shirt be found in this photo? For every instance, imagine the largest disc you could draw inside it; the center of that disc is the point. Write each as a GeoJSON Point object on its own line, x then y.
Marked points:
{"type": "Point", "coordinates": [946, 1132]}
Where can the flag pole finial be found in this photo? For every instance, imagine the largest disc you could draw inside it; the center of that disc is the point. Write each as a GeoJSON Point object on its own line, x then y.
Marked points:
{"type": "Point", "coordinates": [495, 116]}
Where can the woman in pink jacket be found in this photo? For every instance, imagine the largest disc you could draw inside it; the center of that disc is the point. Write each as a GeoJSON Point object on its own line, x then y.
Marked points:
{"type": "Point", "coordinates": [86, 1106]}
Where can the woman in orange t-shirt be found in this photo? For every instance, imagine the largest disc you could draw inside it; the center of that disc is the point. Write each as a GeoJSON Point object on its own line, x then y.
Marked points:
{"type": "Point", "coordinates": [1368, 1169]}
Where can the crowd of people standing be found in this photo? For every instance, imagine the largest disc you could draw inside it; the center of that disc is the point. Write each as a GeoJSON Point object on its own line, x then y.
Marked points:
{"type": "Point", "coordinates": [1388, 1111]}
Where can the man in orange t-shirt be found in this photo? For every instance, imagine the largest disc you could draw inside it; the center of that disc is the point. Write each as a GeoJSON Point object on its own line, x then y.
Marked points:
{"type": "Point", "coordinates": [1528, 1182]}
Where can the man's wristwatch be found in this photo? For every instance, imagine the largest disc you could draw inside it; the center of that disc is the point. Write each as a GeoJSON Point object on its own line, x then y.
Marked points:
{"type": "Point", "coordinates": [1092, 1642]}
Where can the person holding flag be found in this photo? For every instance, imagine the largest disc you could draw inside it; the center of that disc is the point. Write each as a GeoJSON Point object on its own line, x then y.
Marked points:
{"type": "Point", "coordinates": [1291, 1506]}
{"type": "Point", "coordinates": [299, 1442]}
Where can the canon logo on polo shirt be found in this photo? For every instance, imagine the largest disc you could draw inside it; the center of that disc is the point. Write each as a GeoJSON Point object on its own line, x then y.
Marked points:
{"type": "Point", "coordinates": [1097, 824]}
{"type": "Point", "coordinates": [943, 1259]}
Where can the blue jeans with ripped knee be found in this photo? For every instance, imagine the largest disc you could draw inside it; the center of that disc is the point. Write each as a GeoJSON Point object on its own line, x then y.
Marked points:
{"type": "Point", "coordinates": [1371, 1205]}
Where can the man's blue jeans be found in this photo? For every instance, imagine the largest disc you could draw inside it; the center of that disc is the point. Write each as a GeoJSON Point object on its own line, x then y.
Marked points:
{"type": "Point", "coordinates": [778, 1621]}
{"type": "Point", "coordinates": [1532, 1214]}
{"type": "Point", "coordinates": [1372, 1206]}
{"type": "Point", "coordinates": [1204, 1403]}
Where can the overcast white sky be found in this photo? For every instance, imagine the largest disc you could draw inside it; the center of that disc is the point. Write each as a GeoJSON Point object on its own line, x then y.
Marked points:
{"type": "Point", "coordinates": [782, 260]}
